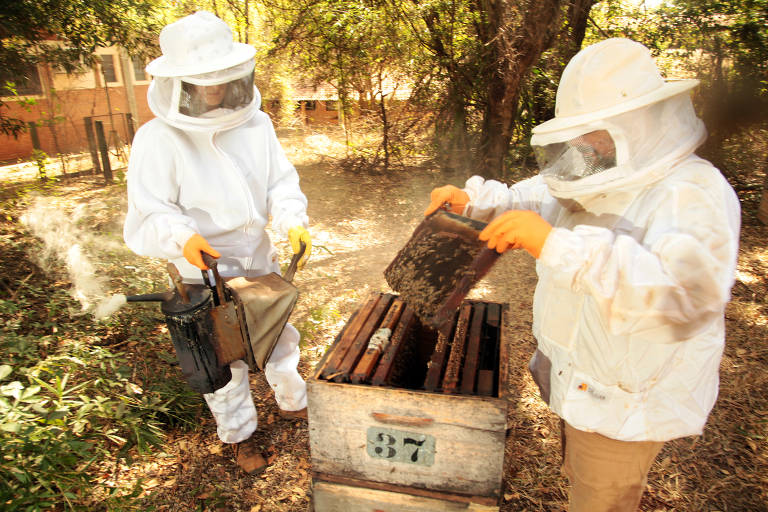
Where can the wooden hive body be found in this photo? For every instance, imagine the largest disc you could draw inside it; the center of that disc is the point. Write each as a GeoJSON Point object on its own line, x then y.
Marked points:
{"type": "Point", "coordinates": [369, 440]}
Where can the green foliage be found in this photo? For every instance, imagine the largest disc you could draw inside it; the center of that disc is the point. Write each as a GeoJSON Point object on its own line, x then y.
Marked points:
{"type": "Point", "coordinates": [363, 49]}
{"type": "Point", "coordinates": [69, 405]}
{"type": "Point", "coordinates": [722, 43]}
{"type": "Point", "coordinates": [708, 38]}
{"type": "Point", "coordinates": [465, 63]}
{"type": "Point", "coordinates": [81, 27]}
{"type": "Point", "coordinates": [41, 160]}
{"type": "Point", "coordinates": [71, 411]}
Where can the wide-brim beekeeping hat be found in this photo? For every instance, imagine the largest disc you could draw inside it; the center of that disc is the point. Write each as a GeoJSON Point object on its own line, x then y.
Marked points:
{"type": "Point", "coordinates": [196, 44]}
{"type": "Point", "coordinates": [609, 78]}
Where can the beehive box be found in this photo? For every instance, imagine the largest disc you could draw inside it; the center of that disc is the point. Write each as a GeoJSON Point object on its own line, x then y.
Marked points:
{"type": "Point", "coordinates": [436, 421]}
{"type": "Point", "coordinates": [339, 496]}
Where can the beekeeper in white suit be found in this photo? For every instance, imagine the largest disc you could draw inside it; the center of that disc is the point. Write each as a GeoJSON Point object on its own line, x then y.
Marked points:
{"type": "Point", "coordinates": [205, 176]}
{"type": "Point", "coordinates": [636, 240]}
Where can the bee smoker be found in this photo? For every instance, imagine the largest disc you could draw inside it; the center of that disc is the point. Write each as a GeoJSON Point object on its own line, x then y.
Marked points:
{"type": "Point", "coordinates": [203, 335]}
{"type": "Point", "coordinates": [212, 325]}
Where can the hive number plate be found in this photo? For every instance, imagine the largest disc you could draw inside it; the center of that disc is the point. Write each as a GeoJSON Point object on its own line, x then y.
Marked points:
{"type": "Point", "coordinates": [399, 446]}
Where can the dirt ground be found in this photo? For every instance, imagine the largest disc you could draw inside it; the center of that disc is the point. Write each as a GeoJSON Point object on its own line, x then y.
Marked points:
{"type": "Point", "coordinates": [359, 220]}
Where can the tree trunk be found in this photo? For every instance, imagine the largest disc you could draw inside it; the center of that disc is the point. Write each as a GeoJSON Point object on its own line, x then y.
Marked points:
{"type": "Point", "coordinates": [762, 211]}
{"type": "Point", "coordinates": [578, 17]}
{"type": "Point", "coordinates": [384, 122]}
{"type": "Point", "coordinates": [569, 44]}
{"type": "Point", "coordinates": [451, 132]}
{"type": "Point", "coordinates": [516, 35]}
{"type": "Point", "coordinates": [451, 125]}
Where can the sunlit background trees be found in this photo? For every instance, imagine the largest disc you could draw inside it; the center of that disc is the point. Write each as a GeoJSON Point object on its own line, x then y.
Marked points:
{"type": "Point", "coordinates": [472, 77]}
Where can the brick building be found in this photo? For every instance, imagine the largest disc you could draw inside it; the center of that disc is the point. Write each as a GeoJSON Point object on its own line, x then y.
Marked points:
{"type": "Point", "coordinates": [63, 104]}
{"type": "Point", "coordinates": [316, 103]}
{"type": "Point", "coordinates": [66, 108]}
{"type": "Point", "coordinates": [58, 121]}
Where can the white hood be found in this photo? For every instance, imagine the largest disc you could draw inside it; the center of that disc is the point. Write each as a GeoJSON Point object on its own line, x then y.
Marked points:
{"type": "Point", "coordinates": [615, 86]}
{"type": "Point", "coordinates": [649, 141]}
{"type": "Point", "coordinates": [200, 56]}
{"type": "Point", "coordinates": [164, 96]}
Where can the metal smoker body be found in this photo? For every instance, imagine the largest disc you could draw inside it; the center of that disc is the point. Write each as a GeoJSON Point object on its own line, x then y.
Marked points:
{"type": "Point", "coordinates": [212, 325]}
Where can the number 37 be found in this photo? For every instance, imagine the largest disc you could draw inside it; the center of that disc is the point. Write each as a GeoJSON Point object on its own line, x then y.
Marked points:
{"type": "Point", "coordinates": [399, 446]}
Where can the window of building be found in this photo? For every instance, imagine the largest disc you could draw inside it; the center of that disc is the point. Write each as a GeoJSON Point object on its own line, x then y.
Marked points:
{"type": "Point", "coordinates": [26, 83]}
{"type": "Point", "coordinates": [310, 105]}
{"type": "Point", "coordinates": [108, 68]}
{"type": "Point", "coordinates": [75, 68]}
{"type": "Point", "coordinates": [138, 69]}
{"type": "Point", "coordinates": [331, 105]}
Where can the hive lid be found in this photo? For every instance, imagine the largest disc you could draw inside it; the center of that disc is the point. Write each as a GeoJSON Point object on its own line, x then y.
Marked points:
{"type": "Point", "coordinates": [439, 265]}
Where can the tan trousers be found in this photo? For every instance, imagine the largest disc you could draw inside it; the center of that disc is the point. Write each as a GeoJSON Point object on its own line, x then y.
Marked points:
{"type": "Point", "coordinates": [606, 475]}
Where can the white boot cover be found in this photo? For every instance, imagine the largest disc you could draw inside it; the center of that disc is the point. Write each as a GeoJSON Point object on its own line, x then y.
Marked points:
{"type": "Point", "coordinates": [232, 406]}
{"type": "Point", "coordinates": [281, 373]}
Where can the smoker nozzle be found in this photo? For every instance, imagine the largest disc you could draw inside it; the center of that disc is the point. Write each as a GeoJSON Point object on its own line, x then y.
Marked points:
{"type": "Point", "coordinates": [150, 297]}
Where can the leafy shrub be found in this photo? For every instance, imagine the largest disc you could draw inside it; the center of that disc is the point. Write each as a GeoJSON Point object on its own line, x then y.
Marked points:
{"type": "Point", "coordinates": [68, 406]}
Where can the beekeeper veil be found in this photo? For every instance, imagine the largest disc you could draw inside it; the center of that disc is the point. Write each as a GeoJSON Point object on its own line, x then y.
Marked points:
{"type": "Point", "coordinates": [617, 122]}
{"type": "Point", "coordinates": [203, 80]}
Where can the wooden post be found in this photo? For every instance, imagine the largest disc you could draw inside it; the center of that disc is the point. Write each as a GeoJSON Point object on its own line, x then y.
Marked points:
{"type": "Point", "coordinates": [762, 211]}
{"type": "Point", "coordinates": [489, 357]}
{"type": "Point", "coordinates": [436, 364]}
{"type": "Point", "coordinates": [104, 150]}
{"type": "Point", "coordinates": [472, 356]}
{"type": "Point", "coordinates": [129, 126]}
{"type": "Point", "coordinates": [333, 363]}
{"type": "Point", "coordinates": [126, 66]}
{"type": "Point", "coordinates": [367, 364]}
{"type": "Point", "coordinates": [33, 133]}
{"type": "Point", "coordinates": [92, 144]}
{"type": "Point", "coordinates": [396, 342]}
{"type": "Point", "coordinates": [456, 359]}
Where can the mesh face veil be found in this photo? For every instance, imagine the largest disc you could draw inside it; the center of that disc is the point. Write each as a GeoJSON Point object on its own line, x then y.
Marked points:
{"type": "Point", "coordinates": [620, 150]}
{"type": "Point", "coordinates": [216, 100]}
{"type": "Point", "coordinates": [578, 157]}
{"type": "Point", "coordinates": [230, 89]}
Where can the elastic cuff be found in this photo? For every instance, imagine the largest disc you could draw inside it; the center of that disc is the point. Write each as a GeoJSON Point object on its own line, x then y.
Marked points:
{"type": "Point", "coordinates": [292, 221]}
{"type": "Point", "coordinates": [550, 249]}
{"type": "Point", "coordinates": [182, 235]}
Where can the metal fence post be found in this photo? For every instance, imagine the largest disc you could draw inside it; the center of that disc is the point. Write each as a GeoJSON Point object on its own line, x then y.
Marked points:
{"type": "Point", "coordinates": [92, 144]}
{"type": "Point", "coordinates": [129, 125]}
{"type": "Point", "coordinates": [33, 133]}
{"type": "Point", "coordinates": [104, 150]}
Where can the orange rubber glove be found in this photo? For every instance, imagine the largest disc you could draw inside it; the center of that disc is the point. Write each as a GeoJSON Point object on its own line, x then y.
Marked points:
{"type": "Point", "coordinates": [194, 246]}
{"type": "Point", "coordinates": [517, 229]}
{"type": "Point", "coordinates": [456, 198]}
{"type": "Point", "coordinates": [296, 235]}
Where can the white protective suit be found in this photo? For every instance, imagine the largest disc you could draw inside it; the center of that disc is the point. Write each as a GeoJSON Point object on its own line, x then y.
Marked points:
{"type": "Point", "coordinates": [634, 277]}
{"type": "Point", "coordinates": [221, 174]}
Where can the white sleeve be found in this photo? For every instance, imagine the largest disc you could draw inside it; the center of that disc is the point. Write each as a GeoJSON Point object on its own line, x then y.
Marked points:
{"type": "Point", "coordinates": [285, 201]}
{"type": "Point", "coordinates": [154, 224]}
{"type": "Point", "coordinates": [678, 277]}
{"type": "Point", "coordinates": [490, 198]}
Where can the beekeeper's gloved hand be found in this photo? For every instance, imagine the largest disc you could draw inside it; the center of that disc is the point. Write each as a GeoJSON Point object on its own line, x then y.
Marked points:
{"type": "Point", "coordinates": [517, 229]}
{"type": "Point", "coordinates": [454, 196]}
{"type": "Point", "coordinates": [296, 235]}
{"type": "Point", "coordinates": [194, 246]}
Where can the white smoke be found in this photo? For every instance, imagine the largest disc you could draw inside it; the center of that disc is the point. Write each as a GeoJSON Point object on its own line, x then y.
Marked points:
{"type": "Point", "coordinates": [64, 240]}
{"type": "Point", "coordinates": [105, 308]}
